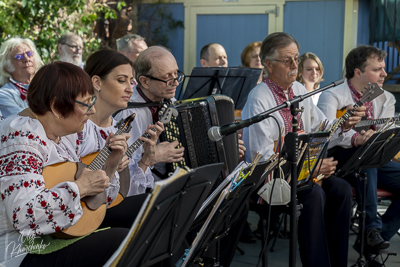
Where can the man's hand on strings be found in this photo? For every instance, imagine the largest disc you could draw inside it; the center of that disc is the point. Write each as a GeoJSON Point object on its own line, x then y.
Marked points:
{"type": "Point", "coordinates": [364, 136]}
{"type": "Point", "coordinates": [326, 167]}
{"type": "Point", "coordinates": [168, 152]}
{"type": "Point", "coordinates": [356, 117]}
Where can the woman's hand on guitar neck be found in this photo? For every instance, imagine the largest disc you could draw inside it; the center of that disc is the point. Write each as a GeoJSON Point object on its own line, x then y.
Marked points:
{"type": "Point", "coordinates": [355, 118]}
{"type": "Point", "coordinates": [150, 144]}
{"type": "Point", "coordinates": [118, 146]}
{"type": "Point", "coordinates": [92, 182]}
{"type": "Point", "coordinates": [123, 163]}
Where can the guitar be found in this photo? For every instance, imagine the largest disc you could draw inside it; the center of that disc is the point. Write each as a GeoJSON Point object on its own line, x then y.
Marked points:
{"type": "Point", "coordinates": [164, 116]}
{"type": "Point", "coordinates": [371, 92]}
{"type": "Point", "coordinates": [93, 207]}
{"type": "Point", "coordinates": [364, 124]}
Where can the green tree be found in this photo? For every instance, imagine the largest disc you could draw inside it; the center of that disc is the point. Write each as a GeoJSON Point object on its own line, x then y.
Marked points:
{"type": "Point", "coordinates": [44, 21]}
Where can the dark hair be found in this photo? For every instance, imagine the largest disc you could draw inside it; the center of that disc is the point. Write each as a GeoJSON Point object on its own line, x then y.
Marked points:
{"type": "Point", "coordinates": [102, 62]}
{"type": "Point", "coordinates": [204, 53]}
{"type": "Point", "coordinates": [272, 42]}
{"type": "Point", "coordinates": [357, 58]}
{"type": "Point", "coordinates": [58, 82]}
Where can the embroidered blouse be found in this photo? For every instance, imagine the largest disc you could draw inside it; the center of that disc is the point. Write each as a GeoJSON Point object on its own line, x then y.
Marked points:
{"type": "Point", "coordinates": [139, 180]}
{"type": "Point", "coordinates": [27, 208]}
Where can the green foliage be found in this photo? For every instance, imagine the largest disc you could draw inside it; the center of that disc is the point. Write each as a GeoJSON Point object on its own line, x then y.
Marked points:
{"type": "Point", "coordinates": [44, 21]}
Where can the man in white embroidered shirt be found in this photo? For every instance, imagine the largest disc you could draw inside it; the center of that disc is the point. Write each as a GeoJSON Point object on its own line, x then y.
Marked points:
{"type": "Point", "coordinates": [325, 217]}
{"type": "Point", "coordinates": [366, 64]}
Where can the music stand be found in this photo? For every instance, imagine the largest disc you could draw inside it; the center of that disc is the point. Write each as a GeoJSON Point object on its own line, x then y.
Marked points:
{"type": "Point", "coordinates": [378, 150]}
{"type": "Point", "coordinates": [227, 210]}
{"type": "Point", "coordinates": [165, 217]}
{"type": "Point", "coordinates": [235, 82]}
{"type": "Point", "coordinates": [317, 144]}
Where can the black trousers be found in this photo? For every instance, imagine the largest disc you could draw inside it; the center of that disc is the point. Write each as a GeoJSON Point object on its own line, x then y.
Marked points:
{"type": "Point", "coordinates": [97, 248]}
{"type": "Point", "coordinates": [324, 223]}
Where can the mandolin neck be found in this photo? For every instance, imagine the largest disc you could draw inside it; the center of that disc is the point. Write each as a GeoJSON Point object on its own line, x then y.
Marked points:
{"type": "Point", "coordinates": [137, 144]}
{"type": "Point", "coordinates": [101, 158]}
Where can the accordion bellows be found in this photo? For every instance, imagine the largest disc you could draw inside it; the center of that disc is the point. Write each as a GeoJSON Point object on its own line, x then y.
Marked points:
{"type": "Point", "coordinates": [190, 127]}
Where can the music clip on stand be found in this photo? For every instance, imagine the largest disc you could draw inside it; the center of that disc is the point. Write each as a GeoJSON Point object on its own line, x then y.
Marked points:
{"type": "Point", "coordinates": [227, 209]}
{"type": "Point", "coordinates": [378, 150]}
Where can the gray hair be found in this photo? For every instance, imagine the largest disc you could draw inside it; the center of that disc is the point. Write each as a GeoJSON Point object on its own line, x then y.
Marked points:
{"type": "Point", "coordinates": [6, 66]}
{"type": "Point", "coordinates": [145, 60]}
{"type": "Point", "coordinates": [271, 43]}
{"type": "Point", "coordinates": [67, 37]}
{"type": "Point", "coordinates": [123, 43]}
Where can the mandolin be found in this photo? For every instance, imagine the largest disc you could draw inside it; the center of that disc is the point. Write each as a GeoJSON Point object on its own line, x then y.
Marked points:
{"type": "Point", "coordinates": [164, 116]}
{"type": "Point", "coordinates": [371, 92]}
{"type": "Point", "coordinates": [93, 207]}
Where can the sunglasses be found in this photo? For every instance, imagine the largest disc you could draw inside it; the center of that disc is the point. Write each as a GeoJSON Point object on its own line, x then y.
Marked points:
{"type": "Point", "coordinates": [21, 56]}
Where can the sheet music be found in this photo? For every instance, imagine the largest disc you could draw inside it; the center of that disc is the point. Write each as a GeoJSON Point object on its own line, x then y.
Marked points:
{"type": "Point", "coordinates": [233, 175]}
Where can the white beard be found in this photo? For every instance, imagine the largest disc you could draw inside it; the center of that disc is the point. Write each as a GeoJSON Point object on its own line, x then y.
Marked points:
{"type": "Point", "coordinates": [67, 58]}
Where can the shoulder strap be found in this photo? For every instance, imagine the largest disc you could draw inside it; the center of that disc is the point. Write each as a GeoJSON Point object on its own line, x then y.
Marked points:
{"type": "Point", "coordinates": [143, 105]}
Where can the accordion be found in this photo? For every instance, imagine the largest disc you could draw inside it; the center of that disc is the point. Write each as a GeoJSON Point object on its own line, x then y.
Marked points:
{"type": "Point", "coordinates": [190, 127]}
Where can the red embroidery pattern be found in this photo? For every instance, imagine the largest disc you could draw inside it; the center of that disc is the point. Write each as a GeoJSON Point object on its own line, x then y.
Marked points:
{"type": "Point", "coordinates": [369, 112]}
{"type": "Point", "coordinates": [103, 135]}
{"type": "Point", "coordinates": [31, 217]}
{"type": "Point", "coordinates": [280, 98]}
{"type": "Point", "coordinates": [20, 184]}
{"type": "Point", "coordinates": [20, 162]}
{"type": "Point", "coordinates": [28, 134]}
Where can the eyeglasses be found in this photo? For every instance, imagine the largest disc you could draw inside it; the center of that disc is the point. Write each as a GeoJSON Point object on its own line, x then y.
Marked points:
{"type": "Point", "coordinates": [21, 56]}
{"type": "Point", "coordinates": [75, 48]}
{"type": "Point", "coordinates": [170, 82]}
{"type": "Point", "coordinates": [288, 62]}
{"type": "Point", "coordinates": [93, 100]}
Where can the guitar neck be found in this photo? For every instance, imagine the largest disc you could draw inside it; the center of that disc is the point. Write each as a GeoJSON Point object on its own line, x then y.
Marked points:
{"type": "Point", "coordinates": [101, 158]}
{"type": "Point", "coordinates": [346, 116]}
{"type": "Point", "coordinates": [375, 121]}
{"type": "Point", "coordinates": [138, 143]}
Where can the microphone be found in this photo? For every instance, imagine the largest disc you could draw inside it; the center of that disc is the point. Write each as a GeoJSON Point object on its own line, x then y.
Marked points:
{"type": "Point", "coordinates": [216, 133]}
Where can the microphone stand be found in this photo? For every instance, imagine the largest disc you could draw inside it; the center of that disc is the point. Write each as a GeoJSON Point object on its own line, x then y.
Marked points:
{"type": "Point", "coordinates": [292, 144]}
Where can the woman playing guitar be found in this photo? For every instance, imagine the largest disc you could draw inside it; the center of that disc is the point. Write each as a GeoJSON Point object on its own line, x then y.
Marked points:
{"type": "Point", "coordinates": [112, 77]}
{"type": "Point", "coordinates": [61, 100]}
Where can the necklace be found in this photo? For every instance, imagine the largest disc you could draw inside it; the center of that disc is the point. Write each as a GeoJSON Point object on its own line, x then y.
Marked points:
{"type": "Point", "coordinates": [36, 116]}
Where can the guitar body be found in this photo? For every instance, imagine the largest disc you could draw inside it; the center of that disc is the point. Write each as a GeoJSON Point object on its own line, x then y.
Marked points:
{"type": "Point", "coordinates": [87, 160]}
{"type": "Point", "coordinates": [90, 219]}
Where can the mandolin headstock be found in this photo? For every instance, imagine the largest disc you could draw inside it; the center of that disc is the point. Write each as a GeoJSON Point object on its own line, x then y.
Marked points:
{"type": "Point", "coordinates": [124, 125]}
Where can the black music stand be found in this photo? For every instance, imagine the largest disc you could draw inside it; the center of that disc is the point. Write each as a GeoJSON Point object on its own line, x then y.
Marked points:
{"type": "Point", "coordinates": [378, 150]}
{"type": "Point", "coordinates": [165, 218]}
{"type": "Point", "coordinates": [227, 209]}
{"type": "Point", "coordinates": [235, 82]}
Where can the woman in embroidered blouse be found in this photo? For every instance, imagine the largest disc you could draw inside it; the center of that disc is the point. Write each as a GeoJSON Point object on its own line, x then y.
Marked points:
{"type": "Point", "coordinates": [60, 103]}
{"type": "Point", "coordinates": [310, 73]}
{"type": "Point", "coordinates": [19, 61]}
{"type": "Point", "coordinates": [112, 75]}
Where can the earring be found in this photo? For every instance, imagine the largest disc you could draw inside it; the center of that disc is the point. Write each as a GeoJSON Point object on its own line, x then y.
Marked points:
{"type": "Point", "coordinates": [57, 117]}
{"type": "Point", "coordinates": [97, 89]}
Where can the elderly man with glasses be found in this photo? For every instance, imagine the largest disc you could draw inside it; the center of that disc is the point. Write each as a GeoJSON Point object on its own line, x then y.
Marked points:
{"type": "Point", "coordinates": [130, 46]}
{"type": "Point", "coordinates": [158, 76]}
{"type": "Point", "coordinates": [324, 222]}
{"type": "Point", "coordinates": [70, 49]}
